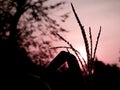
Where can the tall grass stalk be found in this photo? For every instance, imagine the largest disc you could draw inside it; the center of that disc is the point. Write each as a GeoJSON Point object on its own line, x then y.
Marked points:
{"type": "Point", "coordinates": [90, 36]}
{"type": "Point", "coordinates": [89, 51]}
{"type": "Point", "coordinates": [97, 42]}
{"type": "Point", "coordinates": [83, 33]}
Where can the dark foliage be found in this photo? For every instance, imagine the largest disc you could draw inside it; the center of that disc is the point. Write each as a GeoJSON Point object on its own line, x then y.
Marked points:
{"type": "Point", "coordinates": [104, 76]}
{"type": "Point", "coordinates": [19, 72]}
{"type": "Point", "coordinates": [17, 27]}
{"type": "Point", "coordinates": [107, 76]}
{"type": "Point", "coordinates": [28, 24]}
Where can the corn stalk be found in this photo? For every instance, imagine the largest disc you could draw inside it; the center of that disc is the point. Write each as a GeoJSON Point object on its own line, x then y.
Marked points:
{"type": "Point", "coordinates": [90, 58]}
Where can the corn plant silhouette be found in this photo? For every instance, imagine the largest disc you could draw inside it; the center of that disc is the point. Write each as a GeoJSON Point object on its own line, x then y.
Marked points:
{"type": "Point", "coordinates": [89, 49]}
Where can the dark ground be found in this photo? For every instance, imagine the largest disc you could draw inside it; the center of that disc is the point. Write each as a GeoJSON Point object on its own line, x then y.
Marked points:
{"type": "Point", "coordinates": [19, 73]}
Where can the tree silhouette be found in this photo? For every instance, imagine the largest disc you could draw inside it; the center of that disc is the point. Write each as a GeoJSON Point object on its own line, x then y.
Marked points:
{"type": "Point", "coordinates": [23, 23]}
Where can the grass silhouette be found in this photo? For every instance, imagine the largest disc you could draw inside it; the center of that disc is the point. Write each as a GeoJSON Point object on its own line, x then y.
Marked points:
{"type": "Point", "coordinates": [20, 73]}
{"type": "Point", "coordinates": [103, 77]}
{"type": "Point", "coordinates": [89, 50]}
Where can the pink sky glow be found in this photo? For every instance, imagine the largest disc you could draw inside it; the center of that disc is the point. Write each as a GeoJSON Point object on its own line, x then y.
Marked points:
{"type": "Point", "coordinates": [95, 13]}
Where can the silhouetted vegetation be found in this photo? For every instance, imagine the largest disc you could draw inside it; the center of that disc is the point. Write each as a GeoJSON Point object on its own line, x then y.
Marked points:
{"type": "Point", "coordinates": [93, 75]}
{"type": "Point", "coordinates": [20, 21]}
{"type": "Point", "coordinates": [28, 24]}
{"type": "Point", "coordinates": [105, 76]}
{"type": "Point", "coordinates": [19, 71]}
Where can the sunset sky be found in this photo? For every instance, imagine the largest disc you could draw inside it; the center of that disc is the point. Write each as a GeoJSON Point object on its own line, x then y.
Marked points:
{"type": "Point", "coordinates": [95, 13]}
